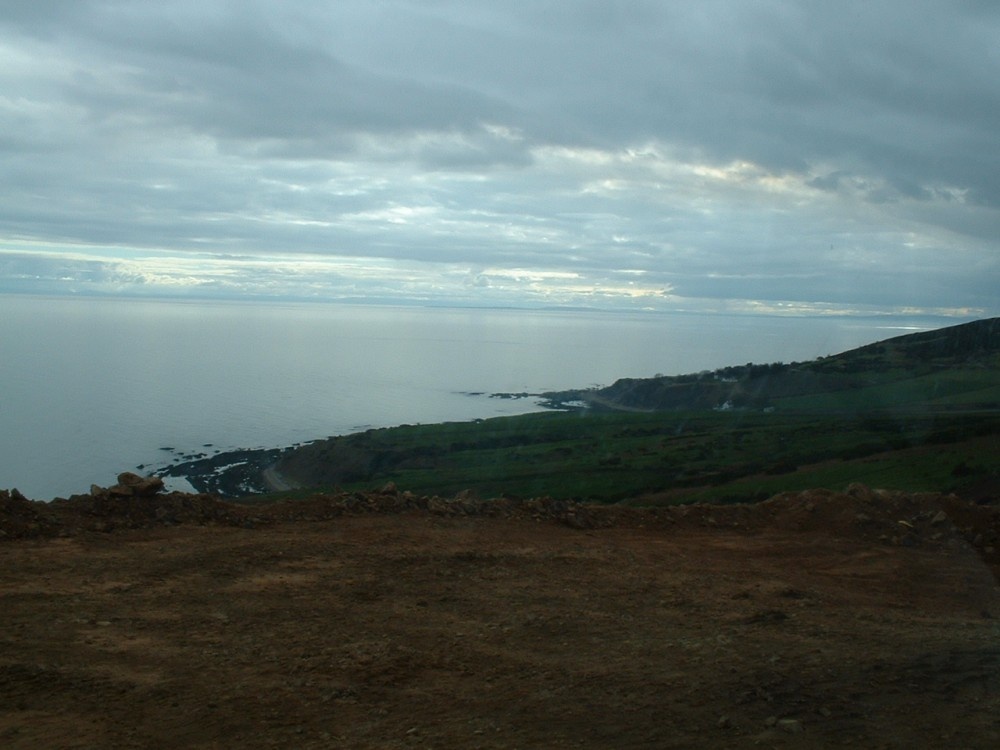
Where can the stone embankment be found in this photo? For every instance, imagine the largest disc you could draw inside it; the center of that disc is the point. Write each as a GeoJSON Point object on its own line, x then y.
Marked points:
{"type": "Point", "coordinates": [879, 516]}
{"type": "Point", "coordinates": [133, 502]}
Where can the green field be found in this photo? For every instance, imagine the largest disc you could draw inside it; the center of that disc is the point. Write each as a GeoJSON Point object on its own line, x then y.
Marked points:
{"type": "Point", "coordinates": [697, 456]}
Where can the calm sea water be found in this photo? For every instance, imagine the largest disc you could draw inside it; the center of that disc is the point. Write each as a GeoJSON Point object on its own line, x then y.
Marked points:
{"type": "Point", "coordinates": [93, 387]}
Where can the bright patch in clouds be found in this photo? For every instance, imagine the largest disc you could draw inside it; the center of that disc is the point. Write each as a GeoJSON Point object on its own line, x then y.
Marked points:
{"type": "Point", "coordinates": [773, 157]}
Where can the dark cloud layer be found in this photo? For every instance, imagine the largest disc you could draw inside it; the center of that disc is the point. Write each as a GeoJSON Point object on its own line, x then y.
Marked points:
{"type": "Point", "coordinates": [705, 153]}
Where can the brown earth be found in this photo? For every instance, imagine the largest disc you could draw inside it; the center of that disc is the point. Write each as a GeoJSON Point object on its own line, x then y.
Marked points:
{"type": "Point", "coordinates": [813, 620]}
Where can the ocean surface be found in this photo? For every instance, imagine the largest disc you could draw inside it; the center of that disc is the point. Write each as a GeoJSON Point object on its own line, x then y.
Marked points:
{"type": "Point", "coordinates": [93, 387]}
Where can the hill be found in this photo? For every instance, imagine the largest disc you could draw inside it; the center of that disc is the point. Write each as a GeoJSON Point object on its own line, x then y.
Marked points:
{"type": "Point", "coordinates": [916, 412]}
{"type": "Point", "coordinates": [949, 368]}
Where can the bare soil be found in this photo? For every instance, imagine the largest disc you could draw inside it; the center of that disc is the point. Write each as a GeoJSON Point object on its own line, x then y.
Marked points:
{"type": "Point", "coordinates": [809, 621]}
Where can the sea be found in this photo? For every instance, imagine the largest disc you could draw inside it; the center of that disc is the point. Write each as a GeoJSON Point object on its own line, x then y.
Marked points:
{"type": "Point", "coordinates": [90, 387]}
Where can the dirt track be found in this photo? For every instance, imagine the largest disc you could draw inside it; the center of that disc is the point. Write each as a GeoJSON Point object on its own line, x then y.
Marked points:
{"type": "Point", "coordinates": [418, 629]}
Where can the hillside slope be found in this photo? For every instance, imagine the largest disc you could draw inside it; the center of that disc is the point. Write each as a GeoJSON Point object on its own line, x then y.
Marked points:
{"type": "Point", "coordinates": [948, 368]}
{"type": "Point", "coordinates": [916, 412]}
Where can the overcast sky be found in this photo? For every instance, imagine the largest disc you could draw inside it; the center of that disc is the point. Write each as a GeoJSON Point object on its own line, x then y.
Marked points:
{"type": "Point", "coordinates": [720, 155]}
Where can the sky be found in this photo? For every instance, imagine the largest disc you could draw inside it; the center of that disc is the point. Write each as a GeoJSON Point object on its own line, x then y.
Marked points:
{"type": "Point", "coordinates": [792, 157]}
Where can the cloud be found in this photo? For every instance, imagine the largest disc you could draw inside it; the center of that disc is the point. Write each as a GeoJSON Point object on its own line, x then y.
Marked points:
{"type": "Point", "coordinates": [666, 154]}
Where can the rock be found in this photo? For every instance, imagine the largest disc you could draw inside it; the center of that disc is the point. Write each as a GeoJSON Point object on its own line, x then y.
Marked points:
{"type": "Point", "coordinates": [120, 490]}
{"type": "Point", "coordinates": [165, 515]}
{"type": "Point", "coordinates": [437, 506]}
{"type": "Point", "coordinates": [939, 519]}
{"type": "Point", "coordinates": [133, 485]}
{"type": "Point", "coordinates": [860, 491]}
{"type": "Point", "coordinates": [792, 726]}
{"type": "Point", "coordinates": [389, 488]}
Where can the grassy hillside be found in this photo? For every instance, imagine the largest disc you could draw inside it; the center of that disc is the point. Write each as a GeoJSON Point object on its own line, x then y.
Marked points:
{"type": "Point", "coordinates": [615, 456]}
{"type": "Point", "coordinates": [917, 412]}
{"type": "Point", "coordinates": [944, 369]}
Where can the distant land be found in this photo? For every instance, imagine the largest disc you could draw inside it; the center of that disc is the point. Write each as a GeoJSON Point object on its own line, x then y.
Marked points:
{"type": "Point", "coordinates": [919, 412]}
{"type": "Point", "coordinates": [948, 368]}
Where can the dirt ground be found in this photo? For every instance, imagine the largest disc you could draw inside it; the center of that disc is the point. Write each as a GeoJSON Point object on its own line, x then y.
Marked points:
{"type": "Point", "coordinates": [810, 621]}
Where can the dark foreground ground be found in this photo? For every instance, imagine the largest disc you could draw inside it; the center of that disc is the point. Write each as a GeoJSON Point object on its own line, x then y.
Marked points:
{"type": "Point", "coordinates": [386, 621]}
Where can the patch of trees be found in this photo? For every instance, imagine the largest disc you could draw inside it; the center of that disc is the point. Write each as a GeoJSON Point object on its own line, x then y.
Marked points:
{"type": "Point", "coordinates": [749, 371]}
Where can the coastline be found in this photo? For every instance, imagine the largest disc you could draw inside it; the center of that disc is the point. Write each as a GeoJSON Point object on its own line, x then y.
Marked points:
{"type": "Point", "coordinates": [253, 471]}
{"type": "Point", "coordinates": [231, 473]}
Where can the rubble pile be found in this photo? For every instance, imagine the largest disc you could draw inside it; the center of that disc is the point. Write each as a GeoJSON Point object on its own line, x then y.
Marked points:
{"type": "Point", "coordinates": [878, 516]}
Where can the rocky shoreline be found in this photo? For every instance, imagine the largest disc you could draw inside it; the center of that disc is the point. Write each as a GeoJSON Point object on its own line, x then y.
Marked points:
{"type": "Point", "coordinates": [251, 471]}
{"type": "Point", "coordinates": [228, 474]}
